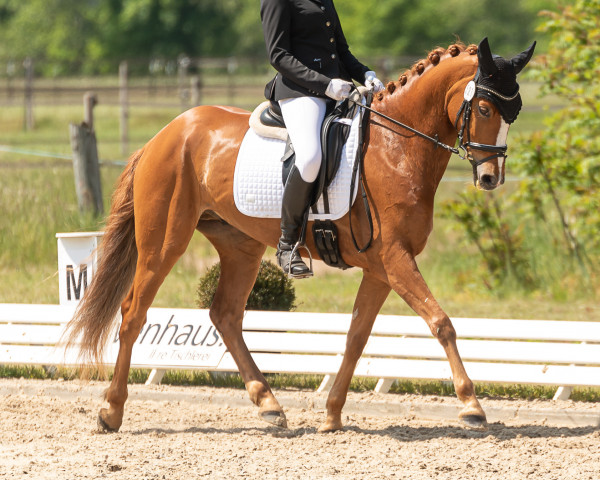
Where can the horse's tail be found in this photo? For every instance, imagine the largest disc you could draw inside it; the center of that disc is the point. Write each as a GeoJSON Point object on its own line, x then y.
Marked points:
{"type": "Point", "coordinates": [96, 314]}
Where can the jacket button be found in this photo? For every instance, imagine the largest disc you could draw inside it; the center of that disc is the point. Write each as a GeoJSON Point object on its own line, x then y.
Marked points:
{"type": "Point", "coordinates": [323, 8]}
{"type": "Point", "coordinates": [331, 40]}
{"type": "Point", "coordinates": [333, 56]}
{"type": "Point", "coordinates": [328, 24]}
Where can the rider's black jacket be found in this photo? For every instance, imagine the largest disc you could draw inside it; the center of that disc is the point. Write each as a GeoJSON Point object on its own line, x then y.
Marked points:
{"type": "Point", "coordinates": [307, 47]}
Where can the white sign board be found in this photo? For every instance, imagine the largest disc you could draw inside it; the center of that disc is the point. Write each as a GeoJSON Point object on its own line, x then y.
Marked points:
{"type": "Point", "coordinates": [175, 338]}
{"type": "Point", "coordinates": [77, 259]}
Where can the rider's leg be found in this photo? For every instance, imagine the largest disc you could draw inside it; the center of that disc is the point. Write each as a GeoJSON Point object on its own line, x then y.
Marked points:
{"type": "Point", "coordinates": [303, 118]}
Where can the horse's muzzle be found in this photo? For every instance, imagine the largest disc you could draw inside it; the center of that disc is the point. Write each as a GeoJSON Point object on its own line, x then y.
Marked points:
{"type": "Point", "coordinates": [488, 181]}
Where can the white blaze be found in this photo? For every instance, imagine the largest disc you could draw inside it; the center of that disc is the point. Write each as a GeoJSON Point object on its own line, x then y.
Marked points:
{"type": "Point", "coordinates": [501, 140]}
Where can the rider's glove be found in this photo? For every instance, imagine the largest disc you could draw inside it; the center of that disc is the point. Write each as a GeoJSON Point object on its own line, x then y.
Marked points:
{"type": "Point", "coordinates": [338, 89]}
{"type": "Point", "coordinates": [372, 82]}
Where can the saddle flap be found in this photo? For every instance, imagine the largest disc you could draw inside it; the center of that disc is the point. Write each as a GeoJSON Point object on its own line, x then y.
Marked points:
{"type": "Point", "coordinates": [334, 134]}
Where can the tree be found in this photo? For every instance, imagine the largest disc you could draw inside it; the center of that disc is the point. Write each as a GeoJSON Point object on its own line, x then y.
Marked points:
{"type": "Point", "coordinates": [562, 163]}
{"type": "Point", "coordinates": [54, 30]}
{"type": "Point", "coordinates": [414, 27]}
{"type": "Point", "coordinates": [98, 33]}
{"type": "Point", "coordinates": [555, 212]}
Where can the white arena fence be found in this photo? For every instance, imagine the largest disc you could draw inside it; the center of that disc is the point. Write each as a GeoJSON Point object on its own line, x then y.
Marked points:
{"type": "Point", "coordinates": [542, 352]}
{"type": "Point", "coordinates": [555, 353]}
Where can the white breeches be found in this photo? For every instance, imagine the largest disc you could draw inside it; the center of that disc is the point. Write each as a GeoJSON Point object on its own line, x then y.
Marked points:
{"type": "Point", "coordinates": [303, 118]}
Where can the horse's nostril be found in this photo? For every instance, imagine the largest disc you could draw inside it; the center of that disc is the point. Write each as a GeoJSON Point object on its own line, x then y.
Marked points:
{"type": "Point", "coordinates": [489, 179]}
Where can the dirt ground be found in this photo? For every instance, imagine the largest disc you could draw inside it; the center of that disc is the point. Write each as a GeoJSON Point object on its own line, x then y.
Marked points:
{"type": "Point", "coordinates": [54, 436]}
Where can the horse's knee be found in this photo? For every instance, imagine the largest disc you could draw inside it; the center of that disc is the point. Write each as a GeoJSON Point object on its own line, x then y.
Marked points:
{"type": "Point", "coordinates": [442, 329]}
{"type": "Point", "coordinates": [310, 165]}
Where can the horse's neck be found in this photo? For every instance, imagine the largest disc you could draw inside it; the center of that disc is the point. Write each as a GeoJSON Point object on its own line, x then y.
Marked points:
{"type": "Point", "coordinates": [422, 105]}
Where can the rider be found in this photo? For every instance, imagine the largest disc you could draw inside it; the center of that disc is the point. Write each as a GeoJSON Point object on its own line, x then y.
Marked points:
{"type": "Point", "coordinates": [308, 49]}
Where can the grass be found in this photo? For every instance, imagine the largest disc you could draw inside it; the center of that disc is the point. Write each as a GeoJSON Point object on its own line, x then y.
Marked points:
{"type": "Point", "coordinates": [307, 382]}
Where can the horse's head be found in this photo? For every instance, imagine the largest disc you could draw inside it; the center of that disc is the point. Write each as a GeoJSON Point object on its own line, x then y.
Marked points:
{"type": "Point", "coordinates": [491, 102]}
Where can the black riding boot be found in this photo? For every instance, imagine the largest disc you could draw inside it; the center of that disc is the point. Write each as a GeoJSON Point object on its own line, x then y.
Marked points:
{"type": "Point", "coordinates": [296, 199]}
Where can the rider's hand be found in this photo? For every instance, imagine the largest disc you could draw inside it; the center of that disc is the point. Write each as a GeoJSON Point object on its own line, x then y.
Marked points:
{"type": "Point", "coordinates": [338, 89]}
{"type": "Point", "coordinates": [372, 82]}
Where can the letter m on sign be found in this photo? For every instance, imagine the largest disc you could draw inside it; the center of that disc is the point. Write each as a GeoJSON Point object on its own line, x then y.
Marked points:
{"type": "Point", "coordinates": [73, 285]}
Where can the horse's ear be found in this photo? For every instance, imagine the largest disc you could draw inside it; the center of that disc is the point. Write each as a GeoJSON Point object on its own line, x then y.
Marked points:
{"type": "Point", "coordinates": [486, 61]}
{"type": "Point", "coordinates": [522, 59]}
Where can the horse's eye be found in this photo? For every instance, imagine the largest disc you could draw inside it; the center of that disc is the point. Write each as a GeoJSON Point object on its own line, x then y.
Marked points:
{"type": "Point", "coordinates": [485, 111]}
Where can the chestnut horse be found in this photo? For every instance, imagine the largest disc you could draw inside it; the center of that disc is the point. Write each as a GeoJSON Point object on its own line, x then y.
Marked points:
{"type": "Point", "coordinates": [182, 181]}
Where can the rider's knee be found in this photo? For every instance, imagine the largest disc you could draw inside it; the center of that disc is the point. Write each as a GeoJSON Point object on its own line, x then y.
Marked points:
{"type": "Point", "coordinates": [310, 165]}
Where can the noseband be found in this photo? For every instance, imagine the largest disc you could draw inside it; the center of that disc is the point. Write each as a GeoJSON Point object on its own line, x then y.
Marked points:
{"type": "Point", "coordinates": [465, 109]}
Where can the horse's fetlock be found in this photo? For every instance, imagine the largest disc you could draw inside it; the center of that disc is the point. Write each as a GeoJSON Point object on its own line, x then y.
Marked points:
{"type": "Point", "coordinates": [464, 389]}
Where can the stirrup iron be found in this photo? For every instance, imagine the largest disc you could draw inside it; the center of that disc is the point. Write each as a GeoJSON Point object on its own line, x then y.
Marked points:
{"type": "Point", "coordinates": [310, 272]}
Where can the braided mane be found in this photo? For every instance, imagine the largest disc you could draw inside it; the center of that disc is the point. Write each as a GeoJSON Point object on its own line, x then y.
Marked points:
{"type": "Point", "coordinates": [434, 58]}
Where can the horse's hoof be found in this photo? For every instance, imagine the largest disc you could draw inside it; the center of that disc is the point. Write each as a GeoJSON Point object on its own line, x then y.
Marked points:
{"type": "Point", "coordinates": [104, 427]}
{"type": "Point", "coordinates": [330, 427]}
{"type": "Point", "coordinates": [274, 418]}
{"type": "Point", "coordinates": [475, 422]}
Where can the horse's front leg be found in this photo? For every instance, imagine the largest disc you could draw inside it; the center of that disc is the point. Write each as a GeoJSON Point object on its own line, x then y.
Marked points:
{"type": "Point", "coordinates": [371, 295]}
{"type": "Point", "coordinates": [406, 279]}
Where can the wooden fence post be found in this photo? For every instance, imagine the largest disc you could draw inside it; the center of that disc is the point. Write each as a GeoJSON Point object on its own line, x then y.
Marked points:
{"type": "Point", "coordinates": [195, 86]}
{"type": "Point", "coordinates": [124, 102]}
{"type": "Point", "coordinates": [86, 167]}
{"type": "Point", "coordinates": [182, 70]}
{"type": "Point", "coordinates": [28, 120]}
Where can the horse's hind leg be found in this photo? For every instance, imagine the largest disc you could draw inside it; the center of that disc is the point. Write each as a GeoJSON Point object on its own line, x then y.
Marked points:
{"type": "Point", "coordinates": [163, 232]}
{"type": "Point", "coordinates": [240, 258]}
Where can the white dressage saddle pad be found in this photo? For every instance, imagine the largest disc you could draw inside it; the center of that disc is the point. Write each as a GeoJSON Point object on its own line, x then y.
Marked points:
{"type": "Point", "coordinates": [257, 185]}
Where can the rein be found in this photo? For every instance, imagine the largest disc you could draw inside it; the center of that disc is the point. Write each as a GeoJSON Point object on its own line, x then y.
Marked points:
{"type": "Point", "coordinates": [466, 147]}
{"type": "Point", "coordinates": [410, 129]}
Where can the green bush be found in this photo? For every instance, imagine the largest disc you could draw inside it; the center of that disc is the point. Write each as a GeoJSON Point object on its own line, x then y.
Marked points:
{"type": "Point", "coordinates": [543, 235]}
{"type": "Point", "coordinates": [272, 289]}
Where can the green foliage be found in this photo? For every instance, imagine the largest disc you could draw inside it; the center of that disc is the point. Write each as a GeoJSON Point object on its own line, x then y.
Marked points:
{"type": "Point", "coordinates": [499, 242]}
{"type": "Point", "coordinates": [562, 163]}
{"type": "Point", "coordinates": [93, 35]}
{"type": "Point", "coordinates": [555, 212]}
{"type": "Point", "coordinates": [413, 27]}
{"type": "Point", "coordinates": [53, 29]}
{"type": "Point", "coordinates": [272, 289]}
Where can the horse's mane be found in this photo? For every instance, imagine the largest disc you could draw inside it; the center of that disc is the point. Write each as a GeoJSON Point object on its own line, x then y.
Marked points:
{"type": "Point", "coordinates": [436, 56]}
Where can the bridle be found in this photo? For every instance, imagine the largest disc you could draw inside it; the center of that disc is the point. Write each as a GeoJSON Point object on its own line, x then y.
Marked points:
{"type": "Point", "coordinates": [496, 151]}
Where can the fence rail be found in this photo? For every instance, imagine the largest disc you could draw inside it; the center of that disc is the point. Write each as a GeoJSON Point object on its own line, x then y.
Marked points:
{"type": "Point", "coordinates": [558, 353]}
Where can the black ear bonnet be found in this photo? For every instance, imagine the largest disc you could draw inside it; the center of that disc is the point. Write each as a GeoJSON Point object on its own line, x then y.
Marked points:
{"type": "Point", "coordinates": [496, 80]}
